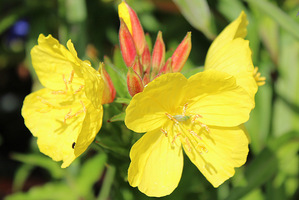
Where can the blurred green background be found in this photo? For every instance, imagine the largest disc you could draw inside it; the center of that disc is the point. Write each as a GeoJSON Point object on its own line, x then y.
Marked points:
{"type": "Point", "coordinates": [271, 171]}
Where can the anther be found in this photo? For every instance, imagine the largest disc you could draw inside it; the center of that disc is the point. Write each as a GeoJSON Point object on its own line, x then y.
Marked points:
{"type": "Point", "coordinates": [67, 116]}
{"type": "Point", "coordinates": [65, 82]}
{"type": "Point", "coordinates": [184, 109]}
{"type": "Point", "coordinates": [175, 137]}
{"type": "Point", "coordinates": [196, 117]}
{"type": "Point", "coordinates": [188, 144]}
{"type": "Point", "coordinates": [45, 101]}
{"type": "Point", "coordinates": [79, 89]}
{"type": "Point", "coordinates": [171, 118]}
{"type": "Point", "coordinates": [204, 126]}
{"type": "Point", "coordinates": [59, 92]}
{"type": "Point", "coordinates": [84, 108]}
{"type": "Point", "coordinates": [195, 134]}
{"type": "Point", "coordinates": [164, 131]}
{"type": "Point", "coordinates": [71, 77]}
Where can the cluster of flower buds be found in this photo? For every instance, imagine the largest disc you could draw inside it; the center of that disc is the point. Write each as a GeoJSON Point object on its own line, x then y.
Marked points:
{"type": "Point", "coordinates": [144, 67]}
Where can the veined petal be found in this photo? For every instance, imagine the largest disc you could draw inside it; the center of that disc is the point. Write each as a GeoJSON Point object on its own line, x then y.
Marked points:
{"type": "Point", "coordinates": [53, 63]}
{"type": "Point", "coordinates": [56, 120]}
{"type": "Point", "coordinates": [226, 148]}
{"type": "Point", "coordinates": [156, 166]}
{"type": "Point", "coordinates": [235, 59]}
{"type": "Point", "coordinates": [91, 125]}
{"type": "Point", "coordinates": [236, 29]}
{"type": "Point", "coordinates": [215, 96]}
{"type": "Point", "coordinates": [147, 109]}
{"type": "Point", "coordinates": [94, 85]}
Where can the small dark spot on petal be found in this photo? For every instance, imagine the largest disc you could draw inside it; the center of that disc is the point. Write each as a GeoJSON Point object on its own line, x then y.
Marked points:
{"type": "Point", "coordinates": [73, 145]}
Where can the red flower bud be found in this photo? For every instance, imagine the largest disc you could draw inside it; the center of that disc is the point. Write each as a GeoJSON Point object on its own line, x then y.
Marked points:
{"type": "Point", "coordinates": [167, 68]}
{"type": "Point", "coordinates": [146, 59]}
{"type": "Point", "coordinates": [134, 25]}
{"type": "Point", "coordinates": [109, 90]}
{"type": "Point", "coordinates": [181, 53]}
{"type": "Point", "coordinates": [127, 45]}
{"type": "Point", "coordinates": [134, 82]}
{"type": "Point", "coordinates": [137, 67]}
{"type": "Point", "coordinates": [158, 57]}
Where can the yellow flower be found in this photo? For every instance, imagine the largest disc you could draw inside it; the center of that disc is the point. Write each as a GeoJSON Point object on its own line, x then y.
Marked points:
{"type": "Point", "coordinates": [201, 115]}
{"type": "Point", "coordinates": [230, 53]}
{"type": "Point", "coordinates": [66, 115]}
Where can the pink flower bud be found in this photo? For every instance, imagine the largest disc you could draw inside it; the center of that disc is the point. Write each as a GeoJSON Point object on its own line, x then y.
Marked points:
{"type": "Point", "coordinates": [146, 59]}
{"type": "Point", "coordinates": [137, 67]}
{"type": "Point", "coordinates": [109, 90]}
{"type": "Point", "coordinates": [127, 45]}
{"type": "Point", "coordinates": [167, 68]}
{"type": "Point", "coordinates": [158, 57]}
{"type": "Point", "coordinates": [181, 53]}
{"type": "Point", "coordinates": [133, 23]}
{"type": "Point", "coordinates": [134, 82]}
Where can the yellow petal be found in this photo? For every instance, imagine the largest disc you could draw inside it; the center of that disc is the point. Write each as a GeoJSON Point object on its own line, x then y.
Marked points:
{"type": "Point", "coordinates": [147, 109]}
{"type": "Point", "coordinates": [236, 29]}
{"type": "Point", "coordinates": [57, 120]}
{"type": "Point", "coordinates": [235, 59]}
{"type": "Point", "coordinates": [227, 148]}
{"type": "Point", "coordinates": [215, 96]}
{"type": "Point", "coordinates": [123, 13]}
{"type": "Point", "coordinates": [91, 125]}
{"type": "Point", "coordinates": [156, 166]}
{"type": "Point", "coordinates": [53, 63]}
{"type": "Point", "coordinates": [94, 85]}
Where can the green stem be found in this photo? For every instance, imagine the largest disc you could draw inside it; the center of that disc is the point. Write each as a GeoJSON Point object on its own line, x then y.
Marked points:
{"type": "Point", "coordinates": [108, 181]}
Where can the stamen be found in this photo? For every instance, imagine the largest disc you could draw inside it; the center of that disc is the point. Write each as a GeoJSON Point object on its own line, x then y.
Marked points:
{"type": "Point", "coordinates": [67, 116]}
{"type": "Point", "coordinates": [195, 134]}
{"type": "Point", "coordinates": [79, 89]}
{"type": "Point", "coordinates": [59, 92]}
{"type": "Point", "coordinates": [204, 126]}
{"type": "Point", "coordinates": [200, 123]}
{"type": "Point", "coordinates": [171, 118]}
{"type": "Point", "coordinates": [188, 144]}
{"type": "Point", "coordinates": [84, 108]}
{"type": "Point", "coordinates": [45, 101]}
{"type": "Point", "coordinates": [196, 117]}
{"type": "Point", "coordinates": [164, 131]}
{"type": "Point", "coordinates": [184, 109]}
{"type": "Point", "coordinates": [64, 80]}
{"type": "Point", "coordinates": [71, 77]}
{"type": "Point", "coordinates": [202, 148]}
{"type": "Point", "coordinates": [175, 137]}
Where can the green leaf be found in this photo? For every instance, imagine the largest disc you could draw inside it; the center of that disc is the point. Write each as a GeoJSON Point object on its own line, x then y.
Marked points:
{"type": "Point", "coordinates": [90, 172]}
{"type": "Point", "coordinates": [41, 161]}
{"type": "Point", "coordinates": [49, 191]}
{"type": "Point", "coordinates": [122, 100]}
{"type": "Point", "coordinates": [197, 12]}
{"type": "Point", "coordinates": [119, 117]}
{"type": "Point", "coordinates": [264, 166]}
{"type": "Point", "coordinates": [282, 18]}
{"type": "Point", "coordinates": [20, 176]}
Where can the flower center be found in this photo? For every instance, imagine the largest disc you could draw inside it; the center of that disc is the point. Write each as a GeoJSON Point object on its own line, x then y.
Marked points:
{"type": "Point", "coordinates": [188, 129]}
{"type": "Point", "coordinates": [67, 91]}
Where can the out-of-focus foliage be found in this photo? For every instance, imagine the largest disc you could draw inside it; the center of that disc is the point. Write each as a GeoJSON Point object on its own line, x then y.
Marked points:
{"type": "Point", "coordinates": [271, 171]}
